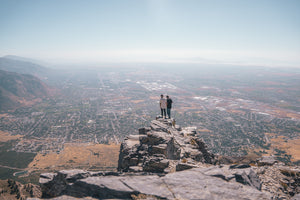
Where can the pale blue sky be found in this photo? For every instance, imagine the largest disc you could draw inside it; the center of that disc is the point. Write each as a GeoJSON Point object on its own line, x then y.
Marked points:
{"type": "Point", "coordinates": [246, 32]}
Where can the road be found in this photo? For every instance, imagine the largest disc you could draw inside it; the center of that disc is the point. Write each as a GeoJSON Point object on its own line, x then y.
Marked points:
{"type": "Point", "coordinates": [15, 168]}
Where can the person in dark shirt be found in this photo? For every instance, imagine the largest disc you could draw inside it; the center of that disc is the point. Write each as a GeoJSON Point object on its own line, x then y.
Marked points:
{"type": "Point", "coordinates": [169, 106]}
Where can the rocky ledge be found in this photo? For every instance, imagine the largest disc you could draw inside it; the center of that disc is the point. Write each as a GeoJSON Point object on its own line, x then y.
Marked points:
{"type": "Point", "coordinates": [166, 161]}
{"type": "Point", "coordinates": [162, 148]}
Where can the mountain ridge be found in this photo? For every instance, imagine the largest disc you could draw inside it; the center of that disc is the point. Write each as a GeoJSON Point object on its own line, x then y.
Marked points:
{"type": "Point", "coordinates": [22, 66]}
{"type": "Point", "coordinates": [20, 89]}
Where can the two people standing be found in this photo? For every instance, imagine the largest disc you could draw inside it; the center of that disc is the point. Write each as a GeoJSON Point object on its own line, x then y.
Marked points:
{"type": "Point", "coordinates": [165, 104]}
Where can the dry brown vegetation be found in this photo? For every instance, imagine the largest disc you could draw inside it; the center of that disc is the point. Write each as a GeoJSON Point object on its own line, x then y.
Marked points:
{"type": "Point", "coordinates": [4, 136]}
{"type": "Point", "coordinates": [137, 101]}
{"type": "Point", "coordinates": [3, 115]}
{"type": "Point", "coordinates": [76, 155]}
{"type": "Point", "coordinates": [237, 111]}
{"type": "Point", "coordinates": [291, 147]}
{"type": "Point", "coordinates": [155, 98]}
{"type": "Point", "coordinates": [278, 112]}
{"type": "Point", "coordinates": [203, 130]}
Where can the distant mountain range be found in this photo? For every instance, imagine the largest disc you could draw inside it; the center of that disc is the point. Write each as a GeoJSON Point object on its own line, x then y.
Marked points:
{"type": "Point", "coordinates": [19, 89]}
{"type": "Point", "coordinates": [21, 65]}
{"type": "Point", "coordinates": [13, 57]}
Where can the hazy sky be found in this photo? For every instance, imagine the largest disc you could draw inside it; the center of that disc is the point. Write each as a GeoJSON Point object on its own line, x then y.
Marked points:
{"type": "Point", "coordinates": [263, 32]}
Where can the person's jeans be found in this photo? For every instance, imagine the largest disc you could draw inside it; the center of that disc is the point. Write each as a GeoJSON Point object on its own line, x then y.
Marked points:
{"type": "Point", "coordinates": [163, 112]}
{"type": "Point", "coordinates": [169, 112]}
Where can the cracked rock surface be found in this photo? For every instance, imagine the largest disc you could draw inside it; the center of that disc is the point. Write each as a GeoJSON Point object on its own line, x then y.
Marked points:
{"type": "Point", "coordinates": [196, 183]}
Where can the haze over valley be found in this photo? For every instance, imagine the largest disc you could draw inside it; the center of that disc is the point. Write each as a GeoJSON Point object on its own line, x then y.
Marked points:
{"type": "Point", "coordinates": [80, 84]}
{"type": "Point", "coordinates": [238, 112]}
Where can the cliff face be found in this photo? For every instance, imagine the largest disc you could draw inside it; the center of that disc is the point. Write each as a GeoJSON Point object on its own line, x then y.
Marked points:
{"type": "Point", "coordinates": [167, 162]}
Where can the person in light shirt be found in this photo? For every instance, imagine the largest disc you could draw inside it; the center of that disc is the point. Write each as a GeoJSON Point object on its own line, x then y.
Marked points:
{"type": "Point", "coordinates": [163, 106]}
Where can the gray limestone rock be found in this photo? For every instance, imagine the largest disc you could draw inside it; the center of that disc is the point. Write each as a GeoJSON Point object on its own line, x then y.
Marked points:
{"type": "Point", "coordinates": [218, 172]}
{"type": "Point", "coordinates": [161, 125]}
{"type": "Point", "coordinates": [254, 179]}
{"type": "Point", "coordinates": [188, 184]}
{"type": "Point", "coordinates": [74, 174]}
{"type": "Point", "coordinates": [164, 139]}
{"type": "Point", "coordinates": [248, 177]}
{"type": "Point", "coordinates": [54, 187]}
{"type": "Point", "coordinates": [296, 197]}
{"type": "Point", "coordinates": [144, 130]}
{"type": "Point", "coordinates": [239, 166]}
{"type": "Point", "coordinates": [173, 149]}
{"type": "Point", "coordinates": [46, 177]}
{"type": "Point", "coordinates": [266, 160]}
{"type": "Point", "coordinates": [144, 139]}
{"type": "Point", "coordinates": [178, 128]}
{"type": "Point", "coordinates": [159, 149]}
{"type": "Point", "coordinates": [184, 166]}
{"type": "Point", "coordinates": [155, 164]}
{"type": "Point", "coordinates": [244, 176]}
{"type": "Point", "coordinates": [155, 138]}
{"type": "Point", "coordinates": [193, 184]}
{"type": "Point", "coordinates": [128, 150]}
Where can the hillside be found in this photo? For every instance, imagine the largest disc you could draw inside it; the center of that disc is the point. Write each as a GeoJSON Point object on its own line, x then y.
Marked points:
{"type": "Point", "coordinates": [12, 64]}
{"type": "Point", "coordinates": [20, 90]}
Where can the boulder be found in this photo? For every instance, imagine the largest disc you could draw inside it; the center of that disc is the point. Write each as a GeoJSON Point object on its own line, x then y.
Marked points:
{"type": "Point", "coordinates": [173, 149]}
{"type": "Point", "coordinates": [159, 149]}
{"type": "Point", "coordinates": [266, 161]}
{"type": "Point", "coordinates": [245, 176]}
{"type": "Point", "coordinates": [155, 138]}
{"type": "Point", "coordinates": [74, 174]}
{"type": "Point", "coordinates": [54, 187]}
{"type": "Point", "coordinates": [155, 164]}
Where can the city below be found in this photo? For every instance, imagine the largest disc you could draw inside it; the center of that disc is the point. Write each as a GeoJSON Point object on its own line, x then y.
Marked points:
{"type": "Point", "coordinates": [254, 111]}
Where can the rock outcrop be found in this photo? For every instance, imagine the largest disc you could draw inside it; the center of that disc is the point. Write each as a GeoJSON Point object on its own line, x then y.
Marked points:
{"type": "Point", "coordinates": [163, 147]}
{"type": "Point", "coordinates": [283, 182]}
{"type": "Point", "coordinates": [165, 161]}
{"type": "Point", "coordinates": [198, 183]}
{"type": "Point", "coordinates": [204, 182]}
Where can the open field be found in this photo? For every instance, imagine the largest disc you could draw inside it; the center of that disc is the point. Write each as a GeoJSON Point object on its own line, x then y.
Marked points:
{"type": "Point", "coordinates": [74, 155]}
{"type": "Point", "coordinates": [291, 147]}
{"type": "Point", "coordinates": [282, 145]}
{"type": "Point", "coordinates": [4, 136]}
